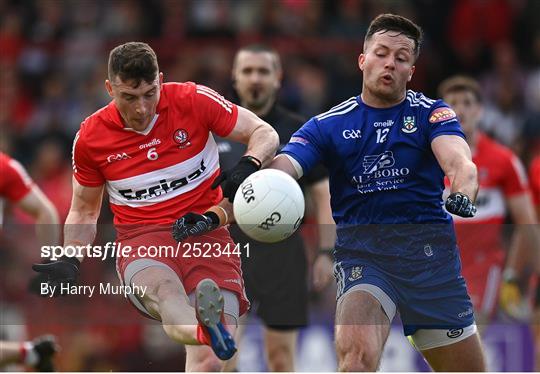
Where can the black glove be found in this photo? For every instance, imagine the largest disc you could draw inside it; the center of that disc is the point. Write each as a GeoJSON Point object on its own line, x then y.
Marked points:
{"type": "Point", "coordinates": [65, 272]}
{"type": "Point", "coordinates": [45, 347]}
{"type": "Point", "coordinates": [194, 224]}
{"type": "Point", "coordinates": [231, 179]}
{"type": "Point", "coordinates": [460, 205]}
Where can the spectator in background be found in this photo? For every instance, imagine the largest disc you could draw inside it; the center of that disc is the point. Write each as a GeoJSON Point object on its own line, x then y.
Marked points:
{"type": "Point", "coordinates": [503, 87]}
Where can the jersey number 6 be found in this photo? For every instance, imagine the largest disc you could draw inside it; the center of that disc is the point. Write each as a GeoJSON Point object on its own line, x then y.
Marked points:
{"type": "Point", "coordinates": [152, 155]}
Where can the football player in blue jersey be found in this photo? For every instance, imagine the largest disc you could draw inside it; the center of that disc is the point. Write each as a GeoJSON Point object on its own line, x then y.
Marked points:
{"type": "Point", "coordinates": [387, 152]}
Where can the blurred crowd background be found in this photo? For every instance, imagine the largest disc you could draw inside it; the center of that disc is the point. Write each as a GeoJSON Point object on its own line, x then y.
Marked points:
{"type": "Point", "coordinates": [53, 63]}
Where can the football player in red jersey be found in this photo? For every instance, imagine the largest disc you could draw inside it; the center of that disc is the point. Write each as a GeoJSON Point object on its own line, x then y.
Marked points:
{"type": "Point", "coordinates": [17, 187]}
{"type": "Point", "coordinates": [152, 149]}
{"type": "Point", "coordinates": [503, 190]}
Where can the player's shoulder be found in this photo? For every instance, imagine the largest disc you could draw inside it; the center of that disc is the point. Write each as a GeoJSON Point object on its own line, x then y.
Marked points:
{"type": "Point", "coordinates": [338, 112]}
{"type": "Point", "coordinates": [493, 149]}
{"type": "Point", "coordinates": [178, 90]}
{"type": "Point", "coordinates": [434, 111]}
{"type": "Point", "coordinates": [4, 159]}
{"type": "Point", "coordinates": [425, 105]}
{"type": "Point", "coordinates": [535, 166]}
{"type": "Point", "coordinates": [96, 120]}
{"type": "Point", "coordinates": [418, 99]}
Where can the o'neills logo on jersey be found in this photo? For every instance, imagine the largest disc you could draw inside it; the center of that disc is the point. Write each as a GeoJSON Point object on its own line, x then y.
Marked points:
{"type": "Point", "coordinates": [153, 143]}
{"type": "Point", "coordinates": [387, 123]}
{"type": "Point", "coordinates": [163, 186]}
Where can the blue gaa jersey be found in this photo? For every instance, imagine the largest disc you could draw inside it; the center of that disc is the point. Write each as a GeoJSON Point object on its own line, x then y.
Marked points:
{"type": "Point", "coordinates": [382, 171]}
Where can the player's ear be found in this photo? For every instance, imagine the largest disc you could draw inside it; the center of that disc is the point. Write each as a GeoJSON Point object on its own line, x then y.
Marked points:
{"type": "Point", "coordinates": [108, 87]}
{"type": "Point", "coordinates": [160, 79]}
{"type": "Point", "coordinates": [411, 72]}
{"type": "Point", "coordinates": [361, 60]}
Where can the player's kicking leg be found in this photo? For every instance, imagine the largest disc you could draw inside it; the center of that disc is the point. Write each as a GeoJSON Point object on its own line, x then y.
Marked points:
{"type": "Point", "coordinates": [165, 299]}
{"type": "Point", "coordinates": [362, 328]}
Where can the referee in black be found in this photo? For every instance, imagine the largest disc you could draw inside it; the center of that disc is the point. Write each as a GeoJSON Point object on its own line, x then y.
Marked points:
{"type": "Point", "coordinates": [276, 275]}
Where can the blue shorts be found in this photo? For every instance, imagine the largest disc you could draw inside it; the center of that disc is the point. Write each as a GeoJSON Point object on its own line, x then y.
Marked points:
{"type": "Point", "coordinates": [428, 293]}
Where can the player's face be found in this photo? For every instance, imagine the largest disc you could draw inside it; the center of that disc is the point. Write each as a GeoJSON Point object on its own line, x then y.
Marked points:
{"type": "Point", "coordinates": [137, 105]}
{"type": "Point", "coordinates": [256, 79]}
{"type": "Point", "coordinates": [467, 108]}
{"type": "Point", "coordinates": [387, 65]}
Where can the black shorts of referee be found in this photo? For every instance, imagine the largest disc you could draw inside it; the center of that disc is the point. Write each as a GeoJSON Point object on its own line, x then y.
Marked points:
{"type": "Point", "coordinates": [275, 277]}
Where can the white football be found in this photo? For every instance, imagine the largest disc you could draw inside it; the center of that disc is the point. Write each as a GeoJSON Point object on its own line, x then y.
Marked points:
{"type": "Point", "coordinates": [269, 206]}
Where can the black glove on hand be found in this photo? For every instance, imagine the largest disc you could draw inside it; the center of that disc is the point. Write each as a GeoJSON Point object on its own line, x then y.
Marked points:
{"type": "Point", "coordinates": [460, 205]}
{"type": "Point", "coordinates": [231, 179]}
{"type": "Point", "coordinates": [64, 271]}
{"type": "Point", "coordinates": [45, 347]}
{"type": "Point", "coordinates": [194, 224]}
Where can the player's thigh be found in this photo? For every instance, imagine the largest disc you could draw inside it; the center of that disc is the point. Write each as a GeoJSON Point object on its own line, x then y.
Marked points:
{"type": "Point", "coordinates": [465, 355]}
{"type": "Point", "coordinates": [362, 328]}
{"type": "Point", "coordinates": [161, 284]}
{"type": "Point", "coordinates": [200, 358]}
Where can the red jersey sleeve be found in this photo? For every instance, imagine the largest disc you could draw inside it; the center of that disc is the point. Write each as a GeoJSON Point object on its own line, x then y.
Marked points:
{"type": "Point", "coordinates": [534, 174]}
{"type": "Point", "coordinates": [15, 182]}
{"type": "Point", "coordinates": [85, 170]}
{"type": "Point", "coordinates": [218, 113]}
{"type": "Point", "coordinates": [515, 177]}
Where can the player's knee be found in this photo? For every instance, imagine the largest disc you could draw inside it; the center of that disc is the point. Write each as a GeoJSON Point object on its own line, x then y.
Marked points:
{"type": "Point", "coordinates": [280, 358]}
{"type": "Point", "coordinates": [356, 357]}
{"type": "Point", "coordinates": [209, 363]}
{"type": "Point", "coordinates": [166, 289]}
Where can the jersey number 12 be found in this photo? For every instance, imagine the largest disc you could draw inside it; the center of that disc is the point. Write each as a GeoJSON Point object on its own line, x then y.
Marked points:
{"type": "Point", "coordinates": [381, 135]}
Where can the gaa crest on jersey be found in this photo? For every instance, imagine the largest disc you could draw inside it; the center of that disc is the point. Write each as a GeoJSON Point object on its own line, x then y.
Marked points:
{"type": "Point", "coordinates": [356, 273]}
{"type": "Point", "coordinates": [181, 137]}
{"type": "Point", "coordinates": [409, 125]}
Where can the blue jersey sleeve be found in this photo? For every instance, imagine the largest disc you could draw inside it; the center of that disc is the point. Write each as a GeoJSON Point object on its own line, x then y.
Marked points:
{"type": "Point", "coordinates": [442, 120]}
{"type": "Point", "coordinates": [306, 145]}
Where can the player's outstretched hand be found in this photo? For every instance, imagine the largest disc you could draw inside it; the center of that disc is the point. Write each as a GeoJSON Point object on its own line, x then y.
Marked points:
{"type": "Point", "coordinates": [231, 179]}
{"type": "Point", "coordinates": [45, 346]}
{"type": "Point", "coordinates": [460, 205]}
{"type": "Point", "coordinates": [64, 271]}
{"type": "Point", "coordinates": [194, 224]}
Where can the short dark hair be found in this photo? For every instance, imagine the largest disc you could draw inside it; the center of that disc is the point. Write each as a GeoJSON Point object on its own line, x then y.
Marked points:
{"type": "Point", "coordinates": [260, 48]}
{"type": "Point", "coordinates": [392, 22]}
{"type": "Point", "coordinates": [133, 61]}
{"type": "Point", "coordinates": [460, 83]}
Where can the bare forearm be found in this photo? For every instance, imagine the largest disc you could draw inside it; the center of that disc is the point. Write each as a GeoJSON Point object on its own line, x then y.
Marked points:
{"type": "Point", "coordinates": [465, 180]}
{"type": "Point", "coordinates": [80, 229]}
{"type": "Point", "coordinates": [263, 144]}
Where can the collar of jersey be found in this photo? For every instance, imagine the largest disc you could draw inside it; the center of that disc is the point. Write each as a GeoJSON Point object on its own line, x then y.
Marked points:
{"type": "Point", "coordinates": [361, 103]}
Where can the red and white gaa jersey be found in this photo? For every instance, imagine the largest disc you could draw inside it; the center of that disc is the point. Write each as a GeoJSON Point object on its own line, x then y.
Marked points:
{"type": "Point", "coordinates": [534, 176]}
{"type": "Point", "coordinates": [15, 183]}
{"type": "Point", "coordinates": [157, 175]}
{"type": "Point", "coordinates": [500, 176]}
